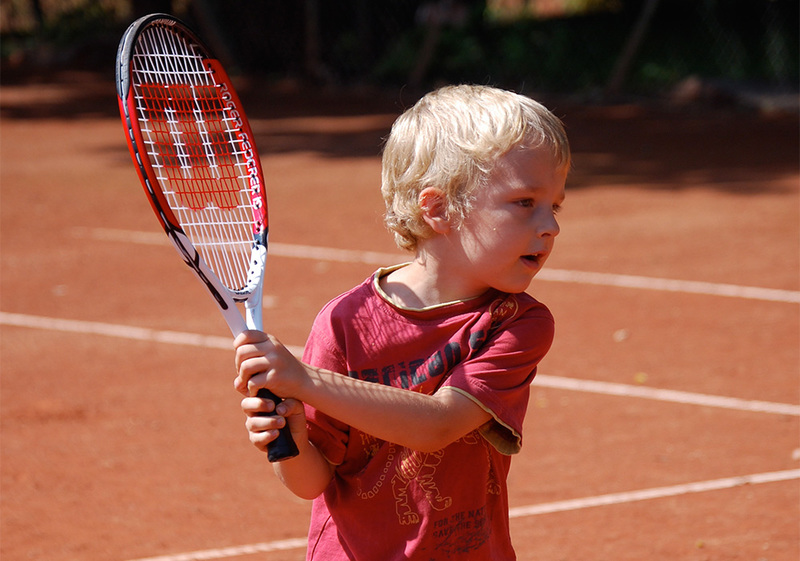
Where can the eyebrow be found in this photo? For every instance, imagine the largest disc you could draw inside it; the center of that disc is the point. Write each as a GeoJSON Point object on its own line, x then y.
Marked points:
{"type": "Point", "coordinates": [535, 189]}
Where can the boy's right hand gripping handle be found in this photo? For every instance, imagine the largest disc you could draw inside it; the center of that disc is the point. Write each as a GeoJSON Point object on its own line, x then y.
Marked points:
{"type": "Point", "coordinates": [283, 447]}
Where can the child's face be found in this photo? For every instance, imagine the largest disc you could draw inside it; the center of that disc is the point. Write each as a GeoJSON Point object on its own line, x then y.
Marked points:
{"type": "Point", "coordinates": [509, 233]}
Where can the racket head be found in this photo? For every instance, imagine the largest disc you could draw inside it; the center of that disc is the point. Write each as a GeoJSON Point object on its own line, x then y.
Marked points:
{"type": "Point", "coordinates": [196, 156]}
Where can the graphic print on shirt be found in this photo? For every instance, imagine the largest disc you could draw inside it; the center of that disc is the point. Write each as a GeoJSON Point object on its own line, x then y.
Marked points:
{"type": "Point", "coordinates": [417, 468]}
{"type": "Point", "coordinates": [461, 532]}
{"type": "Point", "coordinates": [503, 310]}
{"type": "Point", "coordinates": [411, 374]}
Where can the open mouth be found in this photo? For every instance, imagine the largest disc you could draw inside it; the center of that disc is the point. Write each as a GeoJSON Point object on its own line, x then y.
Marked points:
{"type": "Point", "coordinates": [533, 258]}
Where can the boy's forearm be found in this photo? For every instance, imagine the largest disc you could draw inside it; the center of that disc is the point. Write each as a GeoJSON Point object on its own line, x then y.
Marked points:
{"type": "Point", "coordinates": [418, 421]}
{"type": "Point", "coordinates": [306, 475]}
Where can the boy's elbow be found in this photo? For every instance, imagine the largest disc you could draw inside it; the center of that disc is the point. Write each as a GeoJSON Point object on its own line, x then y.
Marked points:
{"type": "Point", "coordinates": [307, 494]}
{"type": "Point", "coordinates": [306, 481]}
{"type": "Point", "coordinates": [305, 490]}
{"type": "Point", "coordinates": [434, 439]}
{"type": "Point", "coordinates": [457, 417]}
{"type": "Point", "coordinates": [431, 447]}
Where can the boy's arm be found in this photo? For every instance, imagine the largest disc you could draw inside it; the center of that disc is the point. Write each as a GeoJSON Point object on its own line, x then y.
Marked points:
{"type": "Point", "coordinates": [422, 422]}
{"type": "Point", "coordinates": [415, 420]}
{"type": "Point", "coordinates": [307, 474]}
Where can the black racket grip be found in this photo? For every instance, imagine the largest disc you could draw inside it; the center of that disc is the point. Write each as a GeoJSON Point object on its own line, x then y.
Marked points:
{"type": "Point", "coordinates": [283, 447]}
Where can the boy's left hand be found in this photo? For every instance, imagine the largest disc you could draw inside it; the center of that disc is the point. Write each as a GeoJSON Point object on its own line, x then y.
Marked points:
{"type": "Point", "coordinates": [264, 420]}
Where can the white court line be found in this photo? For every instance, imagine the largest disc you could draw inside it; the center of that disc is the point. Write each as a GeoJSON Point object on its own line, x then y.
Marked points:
{"type": "Point", "coordinates": [674, 396]}
{"type": "Point", "coordinates": [554, 275]}
{"type": "Point", "coordinates": [671, 285]}
{"type": "Point", "coordinates": [559, 382]}
{"type": "Point", "coordinates": [520, 512]}
{"type": "Point", "coordinates": [235, 551]}
{"type": "Point", "coordinates": [655, 493]}
{"type": "Point", "coordinates": [114, 330]}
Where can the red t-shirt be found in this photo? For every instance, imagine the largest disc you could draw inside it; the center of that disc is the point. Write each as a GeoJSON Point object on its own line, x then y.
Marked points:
{"type": "Point", "coordinates": [387, 502]}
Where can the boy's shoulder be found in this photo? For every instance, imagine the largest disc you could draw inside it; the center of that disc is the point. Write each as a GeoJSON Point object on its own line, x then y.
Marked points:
{"type": "Point", "coordinates": [356, 301]}
{"type": "Point", "coordinates": [507, 309]}
{"type": "Point", "coordinates": [524, 301]}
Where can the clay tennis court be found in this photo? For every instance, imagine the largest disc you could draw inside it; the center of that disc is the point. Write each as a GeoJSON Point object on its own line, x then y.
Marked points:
{"type": "Point", "coordinates": [663, 424]}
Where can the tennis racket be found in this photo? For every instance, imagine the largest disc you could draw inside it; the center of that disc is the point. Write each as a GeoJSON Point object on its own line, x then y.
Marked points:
{"type": "Point", "coordinates": [196, 157]}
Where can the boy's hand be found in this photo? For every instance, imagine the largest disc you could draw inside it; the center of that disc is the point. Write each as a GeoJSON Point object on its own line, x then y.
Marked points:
{"type": "Point", "coordinates": [263, 429]}
{"type": "Point", "coordinates": [263, 362]}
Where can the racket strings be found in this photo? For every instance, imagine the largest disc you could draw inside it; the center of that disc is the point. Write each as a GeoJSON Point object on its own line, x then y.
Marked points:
{"type": "Point", "coordinates": [193, 145]}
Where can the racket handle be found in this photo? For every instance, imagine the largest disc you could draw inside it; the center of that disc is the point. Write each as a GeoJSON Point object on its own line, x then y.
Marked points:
{"type": "Point", "coordinates": [283, 447]}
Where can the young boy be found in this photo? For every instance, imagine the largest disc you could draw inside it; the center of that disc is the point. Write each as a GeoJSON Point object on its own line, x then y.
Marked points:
{"type": "Point", "coordinates": [413, 387]}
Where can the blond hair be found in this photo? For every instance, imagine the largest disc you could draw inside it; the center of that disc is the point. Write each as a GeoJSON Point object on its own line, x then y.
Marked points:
{"type": "Point", "coordinates": [450, 140]}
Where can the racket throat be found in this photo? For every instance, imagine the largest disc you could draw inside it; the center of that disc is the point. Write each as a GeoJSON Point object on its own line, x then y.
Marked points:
{"type": "Point", "coordinates": [252, 306]}
{"type": "Point", "coordinates": [253, 314]}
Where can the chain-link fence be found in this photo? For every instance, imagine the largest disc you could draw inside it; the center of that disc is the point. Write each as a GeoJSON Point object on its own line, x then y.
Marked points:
{"type": "Point", "coordinates": [587, 45]}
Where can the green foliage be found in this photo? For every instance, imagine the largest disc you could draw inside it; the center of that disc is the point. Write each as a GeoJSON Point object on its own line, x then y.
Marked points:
{"type": "Point", "coordinates": [62, 31]}
{"type": "Point", "coordinates": [80, 22]}
{"type": "Point", "coordinates": [726, 41]}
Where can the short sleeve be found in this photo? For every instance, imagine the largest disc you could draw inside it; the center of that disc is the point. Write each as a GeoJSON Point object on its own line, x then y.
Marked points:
{"type": "Point", "coordinates": [498, 377]}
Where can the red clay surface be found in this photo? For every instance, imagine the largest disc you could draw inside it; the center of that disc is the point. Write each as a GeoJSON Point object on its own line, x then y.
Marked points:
{"type": "Point", "coordinates": [115, 449]}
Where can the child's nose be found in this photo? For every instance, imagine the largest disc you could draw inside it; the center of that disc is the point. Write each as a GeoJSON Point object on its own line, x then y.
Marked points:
{"type": "Point", "coordinates": [548, 225]}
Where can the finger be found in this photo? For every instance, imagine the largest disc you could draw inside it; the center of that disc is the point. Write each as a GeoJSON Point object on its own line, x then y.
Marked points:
{"type": "Point", "coordinates": [262, 430]}
{"type": "Point", "coordinates": [249, 368]}
{"type": "Point", "coordinates": [242, 380]}
{"type": "Point", "coordinates": [289, 407]}
{"type": "Point", "coordinates": [247, 351]}
{"type": "Point", "coordinates": [249, 344]}
{"type": "Point", "coordinates": [249, 336]}
{"type": "Point", "coordinates": [256, 406]}
{"type": "Point", "coordinates": [258, 381]}
{"type": "Point", "coordinates": [260, 424]}
{"type": "Point", "coordinates": [261, 440]}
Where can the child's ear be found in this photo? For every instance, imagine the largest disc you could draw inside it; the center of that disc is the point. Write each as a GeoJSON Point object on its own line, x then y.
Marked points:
{"type": "Point", "coordinates": [433, 204]}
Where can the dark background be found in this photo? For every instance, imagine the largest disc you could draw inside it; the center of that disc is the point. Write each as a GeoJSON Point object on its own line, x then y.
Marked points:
{"type": "Point", "coordinates": [595, 49]}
